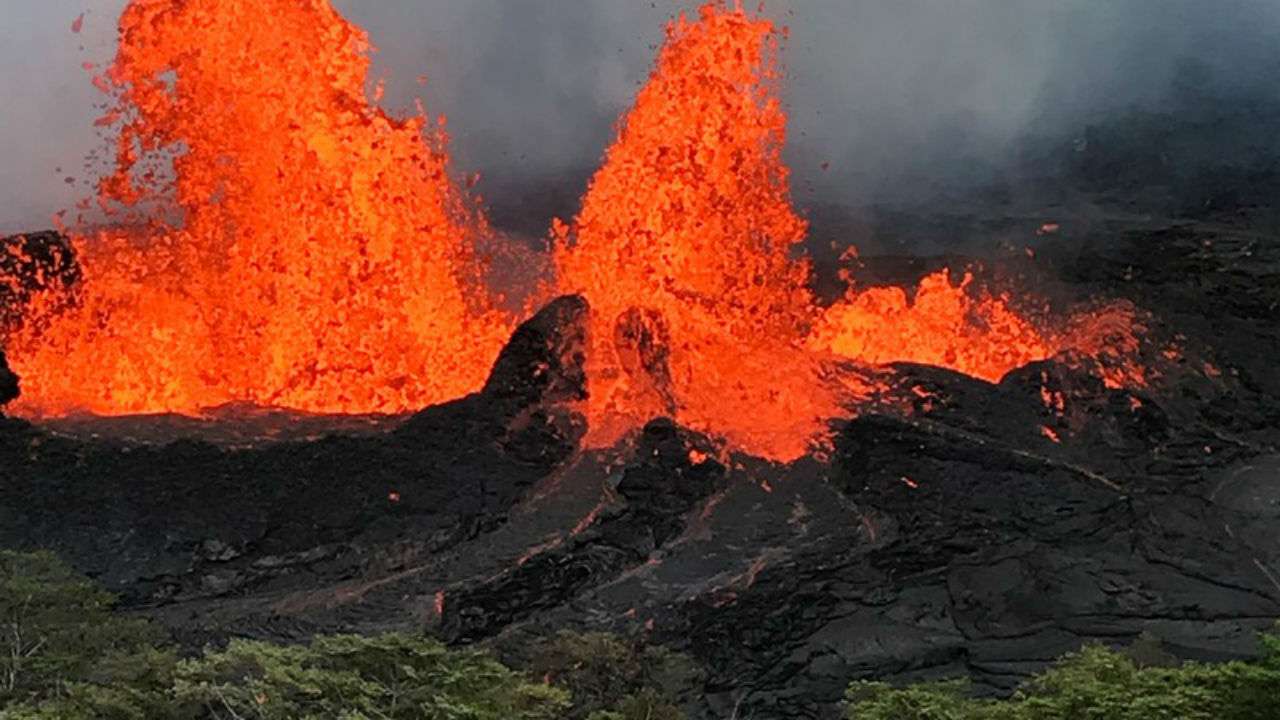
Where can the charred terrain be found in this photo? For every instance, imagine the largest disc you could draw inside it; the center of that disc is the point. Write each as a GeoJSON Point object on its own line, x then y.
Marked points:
{"type": "Point", "coordinates": [957, 526]}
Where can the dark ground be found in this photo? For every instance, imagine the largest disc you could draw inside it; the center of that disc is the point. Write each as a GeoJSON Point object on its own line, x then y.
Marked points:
{"type": "Point", "coordinates": [945, 535]}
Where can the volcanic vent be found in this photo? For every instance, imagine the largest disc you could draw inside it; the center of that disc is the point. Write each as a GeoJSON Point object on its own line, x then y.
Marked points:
{"type": "Point", "coordinates": [970, 470]}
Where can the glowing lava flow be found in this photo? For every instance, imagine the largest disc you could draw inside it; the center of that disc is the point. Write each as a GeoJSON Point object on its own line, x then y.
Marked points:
{"type": "Point", "coordinates": [951, 323]}
{"type": "Point", "coordinates": [322, 260]}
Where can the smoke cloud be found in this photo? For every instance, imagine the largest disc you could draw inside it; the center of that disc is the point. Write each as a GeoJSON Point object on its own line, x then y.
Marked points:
{"type": "Point", "coordinates": [896, 99]}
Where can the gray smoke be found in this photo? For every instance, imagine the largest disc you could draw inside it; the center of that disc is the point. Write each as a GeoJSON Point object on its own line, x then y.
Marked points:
{"type": "Point", "coordinates": [898, 96]}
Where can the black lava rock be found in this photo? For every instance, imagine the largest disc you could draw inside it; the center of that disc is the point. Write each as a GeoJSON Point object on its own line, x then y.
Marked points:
{"type": "Point", "coordinates": [8, 381]}
{"type": "Point", "coordinates": [41, 263]}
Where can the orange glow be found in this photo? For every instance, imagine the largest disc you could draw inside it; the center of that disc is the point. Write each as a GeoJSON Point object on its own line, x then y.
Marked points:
{"type": "Point", "coordinates": [281, 241]}
{"type": "Point", "coordinates": [1107, 340]}
{"type": "Point", "coordinates": [683, 249]}
{"type": "Point", "coordinates": [964, 327]}
{"type": "Point", "coordinates": [323, 261]}
{"type": "Point", "coordinates": [947, 324]}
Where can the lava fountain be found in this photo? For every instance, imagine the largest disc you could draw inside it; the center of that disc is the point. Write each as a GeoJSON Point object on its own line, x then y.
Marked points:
{"type": "Point", "coordinates": [305, 250]}
{"type": "Point", "coordinates": [684, 247]}
{"type": "Point", "coordinates": [300, 248]}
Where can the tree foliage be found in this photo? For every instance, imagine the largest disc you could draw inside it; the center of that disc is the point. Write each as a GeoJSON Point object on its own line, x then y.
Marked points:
{"type": "Point", "coordinates": [613, 679]}
{"type": "Point", "coordinates": [57, 629]}
{"type": "Point", "coordinates": [340, 677]}
{"type": "Point", "coordinates": [391, 677]}
{"type": "Point", "coordinates": [1095, 684]}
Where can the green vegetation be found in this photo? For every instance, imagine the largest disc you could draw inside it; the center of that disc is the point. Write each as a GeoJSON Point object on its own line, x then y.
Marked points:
{"type": "Point", "coordinates": [57, 630]}
{"type": "Point", "coordinates": [614, 680]}
{"type": "Point", "coordinates": [64, 655]}
{"type": "Point", "coordinates": [1096, 684]}
{"type": "Point", "coordinates": [388, 677]}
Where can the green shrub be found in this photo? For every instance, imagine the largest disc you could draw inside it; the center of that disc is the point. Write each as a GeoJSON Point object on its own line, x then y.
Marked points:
{"type": "Point", "coordinates": [1095, 684]}
{"type": "Point", "coordinates": [341, 677]}
{"type": "Point", "coordinates": [142, 693]}
{"type": "Point", "coordinates": [648, 704]}
{"type": "Point", "coordinates": [389, 677]}
{"type": "Point", "coordinates": [945, 700]}
{"type": "Point", "coordinates": [611, 679]}
{"type": "Point", "coordinates": [57, 629]}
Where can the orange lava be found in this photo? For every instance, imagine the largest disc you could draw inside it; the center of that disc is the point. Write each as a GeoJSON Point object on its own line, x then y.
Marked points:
{"type": "Point", "coordinates": [683, 248]}
{"type": "Point", "coordinates": [957, 324]}
{"type": "Point", "coordinates": [306, 250]}
{"type": "Point", "coordinates": [949, 324]}
{"type": "Point", "coordinates": [321, 258]}
{"type": "Point", "coordinates": [701, 312]}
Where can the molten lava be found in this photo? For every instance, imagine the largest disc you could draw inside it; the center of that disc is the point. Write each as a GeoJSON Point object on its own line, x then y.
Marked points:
{"type": "Point", "coordinates": [305, 250]}
{"type": "Point", "coordinates": [956, 325]}
{"type": "Point", "coordinates": [949, 324]}
{"type": "Point", "coordinates": [683, 246]}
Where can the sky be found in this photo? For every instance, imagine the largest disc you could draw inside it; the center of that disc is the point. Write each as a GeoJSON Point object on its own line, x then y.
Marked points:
{"type": "Point", "coordinates": [890, 94]}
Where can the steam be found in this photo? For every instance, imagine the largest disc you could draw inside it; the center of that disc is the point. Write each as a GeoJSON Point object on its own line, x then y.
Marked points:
{"type": "Point", "coordinates": [904, 95]}
{"type": "Point", "coordinates": [900, 99]}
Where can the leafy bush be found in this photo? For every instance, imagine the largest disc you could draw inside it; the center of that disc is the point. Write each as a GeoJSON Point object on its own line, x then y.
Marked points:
{"type": "Point", "coordinates": [57, 629]}
{"type": "Point", "coordinates": [343, 677]}
{"type": "Point", "coordinates": [611, 679]}
{"type": "Point", "coordinates": [1095, 684]}
{"type": "Point", "coordinates": [648, 704]}
{"type": "Point", "coordinates": [389, 677]}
